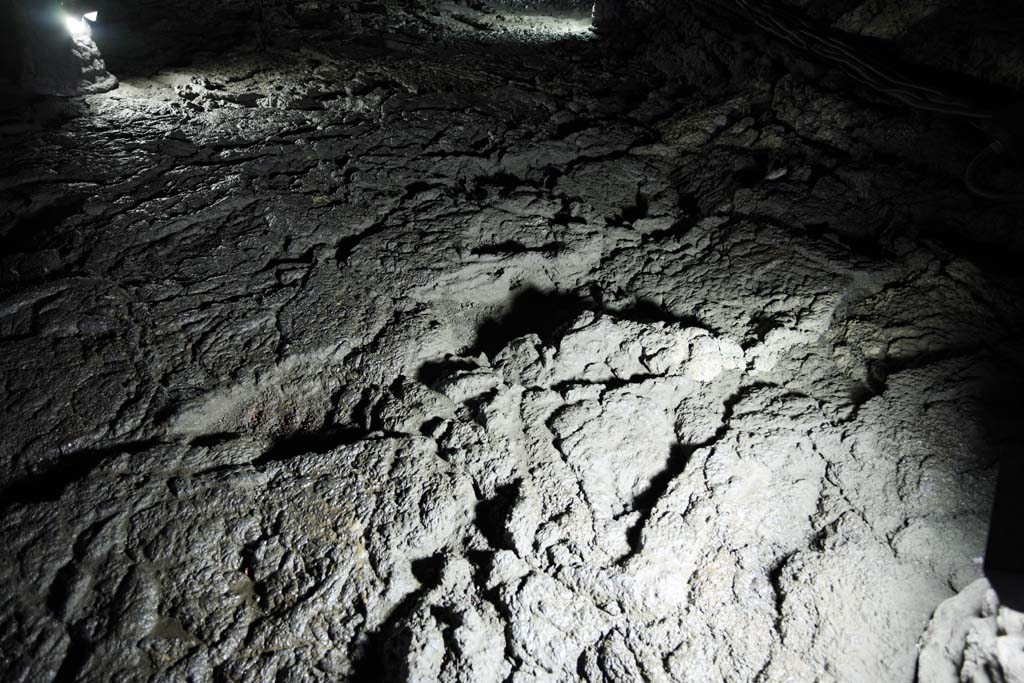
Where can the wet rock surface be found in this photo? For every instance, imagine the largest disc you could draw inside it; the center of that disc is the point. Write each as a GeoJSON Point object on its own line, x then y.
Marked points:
{"type": "Point", "coordinates": [477, 349]}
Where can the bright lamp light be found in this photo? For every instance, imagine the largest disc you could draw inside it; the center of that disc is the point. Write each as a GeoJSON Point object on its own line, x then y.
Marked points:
{"type": "Point", "coordinates": [91, 16]}
{"type": "Point", "coordinates": [76, 26]}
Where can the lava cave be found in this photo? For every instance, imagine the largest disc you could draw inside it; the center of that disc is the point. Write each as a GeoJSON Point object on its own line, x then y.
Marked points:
{"type": "Point", "coordinates": [512, 341]}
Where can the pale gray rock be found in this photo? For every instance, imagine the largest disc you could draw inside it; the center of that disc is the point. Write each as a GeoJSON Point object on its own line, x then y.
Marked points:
{"type": "Point", "coordinates": [972, 638]}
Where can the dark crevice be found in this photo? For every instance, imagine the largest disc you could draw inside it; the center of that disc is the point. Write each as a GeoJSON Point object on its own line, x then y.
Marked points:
{"type": "Point", "coordinates": [363, 411]}
{"type": "Point", "coordinates": [36, 228]}
{"type": "Point", "coordinates": [679, 228]}
{"type": "Point", "coordinates": [346, 245]}
{"type": "Point", "coordinates": [61, 589]}
{"type": "Point", "coordinates": [511, 248]}
{"type": "Point", "coordinates": [492, 514]}
{"type": "Point", "coordinates": [775, 581]}
{"type": "Point", "coordinates": [501, 184]}
{"type": "Point", "coordinates": [879, 370]}
{"type": "Point", "coordinates": [547, 313]}
{"type": "Point", "coordinates": [564, 217]}
{"type": "Point", "coordinates": [215, 439]}
{"type": "Point", "coordinates": [531, 311]}
{"type": "Point", "coordinates": [643, 310]}
{"type": "Point", "coordinates": [427, 570]}
{"type": "Point", "coordinates": [679, 457]}
{"type": "Point", "coordinates": [630, 214]}
{"type": "Point", "coordinates": [380, 657]}
{"type": "Point", "coordinates": [610, 384]}
{"type": "Point", "coordinates": [752, 170]}
{"type": "Point", "coordinates": [449, 620]}
{"type": "Point", "coordinates": [575, 125]}
{"type": "Point", "coordinates": [51, 483]}
{"type": "Point", "coordinates": [419, 187]}
{"type": "Point", "coordinates": [305, 258]}
{"type": "Point", "coordinates": [301, 443]}
{"type": "Point", "coordinates": [432, 372]}
{"type": "Point", "coordinates": [75, 658]}
{"type": "Point", "coordinates": [758, 328]}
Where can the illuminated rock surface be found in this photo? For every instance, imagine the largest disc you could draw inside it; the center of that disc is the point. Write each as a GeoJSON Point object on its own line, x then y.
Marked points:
{"type": "Point", "coordinates": [454, 347]}
{"type": "Point", "coordinates": [973, 638]}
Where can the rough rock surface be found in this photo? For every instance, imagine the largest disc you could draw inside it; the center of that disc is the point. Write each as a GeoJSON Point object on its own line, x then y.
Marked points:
{"type": "Point", "coordinates": [973, 639]}
{"type": "Point", "coordinates": [473, 348]}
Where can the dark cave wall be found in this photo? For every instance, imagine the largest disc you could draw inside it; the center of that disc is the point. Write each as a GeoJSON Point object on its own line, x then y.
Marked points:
{"type": "Point", "coordinates": [978, 39]}
{"type": "Point", "coordinates": [576, 6]}
{"type": "Point", "coordinates": [134, 37]}
{"type": "Point", "coordinates": [138, 37]}
{"type": "Point", "coordinates": [10, 41]}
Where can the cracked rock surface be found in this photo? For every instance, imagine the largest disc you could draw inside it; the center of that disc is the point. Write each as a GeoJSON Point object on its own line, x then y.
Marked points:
{"type": "Point", "coordinates": [471, 347]}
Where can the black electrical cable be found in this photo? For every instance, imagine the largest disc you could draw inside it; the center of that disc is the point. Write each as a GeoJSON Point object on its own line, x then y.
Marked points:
{"type": "Point", "coordinates": [996, 149]}
{"type": "Point", "coordinates": [802, 34]}
{"type": "Point", "coordinates": [781, 22]}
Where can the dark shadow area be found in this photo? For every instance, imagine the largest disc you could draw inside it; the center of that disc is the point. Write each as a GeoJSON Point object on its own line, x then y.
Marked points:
{"type": "Point", "coordinates": [644, 502]}
{"type": "Point", "coordinates": [1004, 551]}
{"type": "Point", "coordinates": [1002, 431]}
{"type": "Point", "coordinates": [531, 311]}
{"type": "Point", "coordinates": [630, 214]}
{"type": "Point", "coordinates": [491, 514]}
{"type": "Point", "coordinates": [37, 225]}
{"type": "Point", "coordinates": [10, 42]}
{"type": "Point", "coordinates": [214, 440]}
{"type": "Point", "coordinates": [951, 31]}
{"type": "Point", "coordinates": [301, 443]}
{"type": "Point", "coordinates": [77, 656]}
{"type": "Point", "coordinates": [427, 570]}
{"type": "Point", "coordinates": [679, 456]}
{"type": "Point", "coordinates": [758, 328]}
{"type": "Point", "coordinates": [434, 371]}
{"type": "Point", "coordinates": [946, 32]}
{"type": "Point", "coordinates": [644, 310]}
{"type": "Point", "coordinates": [512, 248]}
{"type": "Point", "coordinates": [138, 39]}
{"type": "Point", "coordinates": [50, 483]}
{"type": "Point", "coordinates": [546, 313]}
{"type": "Point", "coordinates": [499, 184]}
{"type": "Point", "coordinates": [382, 648]}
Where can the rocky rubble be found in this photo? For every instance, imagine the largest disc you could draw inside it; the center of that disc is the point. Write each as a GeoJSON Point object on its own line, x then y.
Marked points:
{"type": "Point", "coordinates": [622, 501]}
{"type": "Point", "coordinates": [973, 638]}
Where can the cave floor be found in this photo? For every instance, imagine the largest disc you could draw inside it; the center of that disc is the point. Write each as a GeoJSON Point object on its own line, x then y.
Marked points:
{"type": "Point", "coordinates": [426, 356]}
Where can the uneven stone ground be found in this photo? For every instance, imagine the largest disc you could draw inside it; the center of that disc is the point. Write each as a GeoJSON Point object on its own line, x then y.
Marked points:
{"type": "Point", "coordinates": [478, 349]}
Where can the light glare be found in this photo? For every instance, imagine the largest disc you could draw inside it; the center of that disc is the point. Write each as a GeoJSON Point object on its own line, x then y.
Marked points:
{"type": "Point", "coordinates": [76, 27]}
{"type": "Point", "coordinates": [91, 16]}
